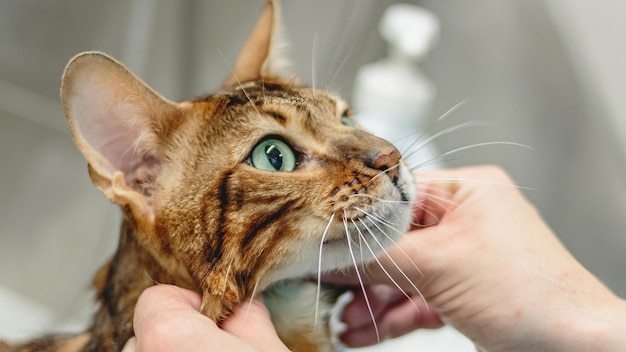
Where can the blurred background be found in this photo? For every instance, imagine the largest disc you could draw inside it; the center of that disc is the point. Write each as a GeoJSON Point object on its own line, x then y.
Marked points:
{"type": "Point", "coordinates": [547, 74]}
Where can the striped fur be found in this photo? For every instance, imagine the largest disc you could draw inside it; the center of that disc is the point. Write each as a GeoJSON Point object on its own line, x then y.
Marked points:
{"type": "Point", "coordinates": [199, 215]}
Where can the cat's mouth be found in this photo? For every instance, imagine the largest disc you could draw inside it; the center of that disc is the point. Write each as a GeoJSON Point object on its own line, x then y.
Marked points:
{"type": "Point", "coordinates": [353, 215]}
{"type": "Point", "coordinates": [403, 196]}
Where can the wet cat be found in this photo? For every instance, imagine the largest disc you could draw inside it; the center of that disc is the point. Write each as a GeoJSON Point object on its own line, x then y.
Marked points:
{"type": "Point", "coordinates": [255, 188]}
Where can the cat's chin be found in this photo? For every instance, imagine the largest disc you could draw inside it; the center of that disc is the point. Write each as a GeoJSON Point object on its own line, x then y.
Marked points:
{"type": "Point", "coordinates": [349, 241]}
{"type": "Point", "coordinates": [333, 241]}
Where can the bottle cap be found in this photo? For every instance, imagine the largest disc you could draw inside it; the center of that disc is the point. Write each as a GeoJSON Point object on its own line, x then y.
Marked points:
{"type": "Point", "coordinates": [409, 30]}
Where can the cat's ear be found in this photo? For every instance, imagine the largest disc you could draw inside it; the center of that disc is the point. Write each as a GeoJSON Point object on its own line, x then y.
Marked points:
{"type": "Point", "coordinates": [118, 123]}
{"type": "Point", "coordinates": [262, 54]}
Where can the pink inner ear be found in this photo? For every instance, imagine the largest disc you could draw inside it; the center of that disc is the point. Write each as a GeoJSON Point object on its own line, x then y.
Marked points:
{"type": "Point", "coordinates": [113, 123]}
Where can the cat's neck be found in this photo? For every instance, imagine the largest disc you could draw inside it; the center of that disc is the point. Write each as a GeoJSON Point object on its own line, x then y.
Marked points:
{"type": "Point", "coordinates": [118, 285]}
{"type": "Point", "coordinates": [142, 261]}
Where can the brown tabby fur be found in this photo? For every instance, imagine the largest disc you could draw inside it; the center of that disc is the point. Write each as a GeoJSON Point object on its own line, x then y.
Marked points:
{"type": "Point", "coordinates": [196, 213]}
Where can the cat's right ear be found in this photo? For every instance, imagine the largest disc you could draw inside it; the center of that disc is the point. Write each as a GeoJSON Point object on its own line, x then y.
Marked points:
{"type": "Point", "coordinates": [262, 55]}
{"type": "Point", "coordinates": [118, 124]}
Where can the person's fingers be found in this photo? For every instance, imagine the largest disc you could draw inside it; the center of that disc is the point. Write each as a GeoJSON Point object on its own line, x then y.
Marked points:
{"type": "Point", "coordinates": [131, 345]}
{"type": "Point", "coordinates": [164, 300]}
{"type": "Point", "coordinates": [251, 323]}
{"type": "Point", "coordinates": [435, 191]}
{"type": "Point", "coordinates": [166, 297]}
{"type": "Point", "coordinates": [167, 318]}
{"type": "Point", "coordinates": [399, 318]}
{"type": "Point", "coordinates": [379, 298]}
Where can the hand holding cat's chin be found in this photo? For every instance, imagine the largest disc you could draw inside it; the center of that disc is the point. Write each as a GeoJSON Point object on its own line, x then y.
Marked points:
{"type": "Point", "coordinates": [167, 318]}
{"type": "Point", "coordinates": [490, 267]}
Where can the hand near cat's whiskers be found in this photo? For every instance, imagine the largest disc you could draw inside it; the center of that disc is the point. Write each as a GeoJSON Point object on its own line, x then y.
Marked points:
{"type": "Point", "coordinates": [395, 314]}
{"type": "Point", "coordinates": [490, 267]}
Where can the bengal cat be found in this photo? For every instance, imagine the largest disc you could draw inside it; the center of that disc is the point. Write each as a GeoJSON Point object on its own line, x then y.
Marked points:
{"type": "Point", "coordinates": [255, 188]}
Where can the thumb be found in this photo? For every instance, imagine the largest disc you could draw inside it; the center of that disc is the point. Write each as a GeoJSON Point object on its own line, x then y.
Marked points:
{"type": "Point", "coordinates": [251, 323]}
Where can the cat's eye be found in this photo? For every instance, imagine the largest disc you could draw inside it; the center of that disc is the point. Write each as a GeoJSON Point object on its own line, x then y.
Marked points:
{"type": "Point", "coordinates": [347, 121]}
{"type": "Point", "coordinates": [273, 155]}
{"type": "Point", "coordinates": [346, 118]}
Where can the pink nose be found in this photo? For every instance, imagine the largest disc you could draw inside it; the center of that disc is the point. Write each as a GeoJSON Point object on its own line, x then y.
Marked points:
{"type": "Point", "coordinates": [387, 160]}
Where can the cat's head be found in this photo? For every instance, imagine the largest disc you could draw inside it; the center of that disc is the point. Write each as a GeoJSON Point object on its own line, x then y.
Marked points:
{"type": "Point", "coordinates": [263, 180]}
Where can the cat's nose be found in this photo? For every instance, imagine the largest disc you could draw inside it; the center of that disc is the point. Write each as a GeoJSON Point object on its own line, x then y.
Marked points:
{"type": "Point", "coordinates": [387, 160]}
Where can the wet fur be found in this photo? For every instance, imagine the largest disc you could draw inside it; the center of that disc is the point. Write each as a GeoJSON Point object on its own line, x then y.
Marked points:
{"type": "Point", "coordinates": [198, 215]}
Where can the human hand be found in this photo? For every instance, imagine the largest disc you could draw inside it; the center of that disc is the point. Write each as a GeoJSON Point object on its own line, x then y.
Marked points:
{"type": "Point", "coordinates": [489, 266]}
{"type": "Point", "coordinates": [167, 318]}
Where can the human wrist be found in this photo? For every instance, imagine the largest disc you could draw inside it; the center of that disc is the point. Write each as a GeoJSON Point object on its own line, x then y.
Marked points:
{"type": "Point", "coordinates": [576, 313]}
{"type": "Point", "coordinates": [602, 330]}
{"type": "Point", "coordinates": [597, 326]}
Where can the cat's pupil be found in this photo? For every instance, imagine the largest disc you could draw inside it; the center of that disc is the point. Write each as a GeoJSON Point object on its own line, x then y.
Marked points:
{"type": "Point", "coordinates": [274, 156]}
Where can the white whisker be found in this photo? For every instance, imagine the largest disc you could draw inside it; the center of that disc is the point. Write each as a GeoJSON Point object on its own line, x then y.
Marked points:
{"type": "Point", "coordinates": [358, 275]}
{"type": "Point", "coordinates": [482, 145]}
{"type": "Point", "coordinates": [238, 81]}
{"type": "Point", "coordinates": [365, 195]}
{"type": "Point", "coordinates": [263, 86]}
{"type": "Point", "coordinates": [417, 291]}
{"type": "Point", "coordinates": [256, 284]}
{"type": "Point", "coordinates": [384, 172]}
{"type": "Point", "coordinates": [381, 220]}
{"type": "Point", "coordinates": [408, 153]}
{"type": "Point", "coordinates": [319, 269]}
{"type": "Point", "coordinates": [429, 212]}
{"type": "Point", "coordinates": [382, 267]}
{"type": "Point", "coordinates": [446, 180]}
{"type": "Point", "coordinates": [441, 201]}
{"type": "Point", "coordinates": [438, 200]}
{"type": "Point", "coordinates": [226, 279]}
{"type": "Point", "coordinates": [371, 218]}
{"type": "Point", "coordinates": [331, 81]}
{"type": "Point", "coordinates": [451, 110]}
{"type": "Point", "coordinates": [435, 160]}
{"type": "Point", "coordinates": [412, 148]}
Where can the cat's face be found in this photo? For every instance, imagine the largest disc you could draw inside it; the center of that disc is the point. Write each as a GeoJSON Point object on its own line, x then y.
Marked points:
{"type": "Point", "coordinates": [261, 181]}
{"type": "Point", "coordinates": [264, 176]}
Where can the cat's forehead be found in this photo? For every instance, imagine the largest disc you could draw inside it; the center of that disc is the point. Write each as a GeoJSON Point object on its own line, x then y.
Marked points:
{"type": "Point", "coordinates": [269, 93]}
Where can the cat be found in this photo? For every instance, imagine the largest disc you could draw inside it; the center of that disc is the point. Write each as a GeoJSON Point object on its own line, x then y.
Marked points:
{"type": "Point", "coordinates": [254, 189]}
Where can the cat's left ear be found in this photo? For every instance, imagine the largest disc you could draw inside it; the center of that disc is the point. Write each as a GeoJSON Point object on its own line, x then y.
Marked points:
{"type": "Point", "coordinates": [261, 55]}
{"type": "Point", "coordinates": [119, 124]}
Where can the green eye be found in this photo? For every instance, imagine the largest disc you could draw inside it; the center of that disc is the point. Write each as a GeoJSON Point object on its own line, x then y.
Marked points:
{"type": "Point", "coordinates": [273, 155]}
{"type": "Point", "coordinates": [348, 121]}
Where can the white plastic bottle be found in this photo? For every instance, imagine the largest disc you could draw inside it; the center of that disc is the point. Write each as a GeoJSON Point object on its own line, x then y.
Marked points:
{"type": "Point", "coordinates": [392, 97]}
